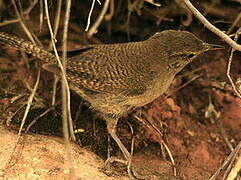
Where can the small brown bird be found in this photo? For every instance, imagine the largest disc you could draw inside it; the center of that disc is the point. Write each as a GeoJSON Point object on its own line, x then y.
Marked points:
{"type": "Point", "coordinates": [116, 78]}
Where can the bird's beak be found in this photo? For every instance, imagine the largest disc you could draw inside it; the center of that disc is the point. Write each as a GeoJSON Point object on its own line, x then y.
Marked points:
{"type": "Point", "coordinates": [213, 46]}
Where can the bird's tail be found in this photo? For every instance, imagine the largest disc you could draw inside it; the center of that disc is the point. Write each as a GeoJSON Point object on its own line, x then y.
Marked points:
{"type": "Point", "coordinates": [27, 47]}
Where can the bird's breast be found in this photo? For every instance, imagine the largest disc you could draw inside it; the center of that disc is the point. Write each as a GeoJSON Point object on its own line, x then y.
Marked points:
{"type": "Point", "coordinates": [157, 88]}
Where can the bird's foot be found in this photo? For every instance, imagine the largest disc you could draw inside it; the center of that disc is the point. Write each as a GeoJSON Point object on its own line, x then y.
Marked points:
{"type": "Point", "coordinates": [115, 159]}
{"type": "Point", "coordinates": [122, 161]}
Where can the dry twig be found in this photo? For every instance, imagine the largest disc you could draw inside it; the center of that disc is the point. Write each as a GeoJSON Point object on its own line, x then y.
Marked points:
{"type": "Point", "coordinates": [66, 112]}
{"type": "Point", "coordinates": [132, 149]}
{"type": "Point", "coordinates": [94, 27]}
{"type": "Point", "coordinates": [219, 33]}
{"type": "Point", "coordinates": [25, 13]}
{"type": "Point", "coordinates": [109, 16]}
{"type": "Point", "coordinates": [14, 151]}
{"type": "Point", "coordinates": [37, 118]}
{"type": "Point", "coordinates": [234, 23]}
{"type": "Point", "coordinates": [156, 129]}
{"type": "Point", "coordinates": [90, 14]}
{"type": "Point", "coordinates": [67, 125]}
{"type": "Point", "coordinates": [236, 169]}
{"type": "Point", "coordinates": [229, 65]}
{"type": "Point", "coordinates": [56, 21]}
{"type": "Point", "coordinates": [211, 27]}
{"type": "Point", "coordinates": [25, 28]}
{"type": "Point", "coordinates": [229, 160]}
{"type": "Point", "coordinates": [58, 58]}
{"type": "Point", "coordinates": [30, 100]}
{"type": "Point", "coordinates": [41, 14]}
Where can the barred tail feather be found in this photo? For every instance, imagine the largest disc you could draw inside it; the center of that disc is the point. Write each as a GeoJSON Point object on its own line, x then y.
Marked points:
{"type": "Point", "coordinates": [27, 47]}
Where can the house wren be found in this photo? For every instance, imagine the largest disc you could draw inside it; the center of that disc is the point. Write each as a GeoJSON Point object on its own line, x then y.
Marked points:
{"type": "Point", "coordinates": [116, 78]}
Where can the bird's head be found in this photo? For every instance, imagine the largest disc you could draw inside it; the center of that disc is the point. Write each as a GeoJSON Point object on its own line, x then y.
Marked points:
{"type": "Point", "coordinates": [180, 47]}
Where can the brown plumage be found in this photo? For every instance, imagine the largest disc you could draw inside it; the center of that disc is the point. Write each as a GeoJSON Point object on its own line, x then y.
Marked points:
{"type": "Point", "coordinates": [115, 78]}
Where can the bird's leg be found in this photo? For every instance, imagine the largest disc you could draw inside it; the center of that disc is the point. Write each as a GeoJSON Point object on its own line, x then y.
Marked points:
{"type": "Point", "coordinates": [111, 127]}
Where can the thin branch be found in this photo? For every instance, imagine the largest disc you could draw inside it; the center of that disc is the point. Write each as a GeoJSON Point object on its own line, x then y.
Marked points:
{"type": "Point", "coordinates": [22, 23]}
{"type": "Point", "coordinates": [57, 56]}
{"type": "Point", "coordinates": [57, 18]}
{"type": "Point", "coordinates": [56, 79]}
{"type": "Point", "coordinates": [234, 23]}
{"type": "Point", "coordinates": [56, 21]}
{"type": "Point", "coordinates": [56, 27]}
{"type": "Point", "coordinates": [90, 13]}
{"type": "Point", "coordinates": [95, 26]}
{"type": "Point", "coordinates": [230, 62]}
{"type": "Point", "coordinates": [38, 117]}
{"type": "Point", "coordinates": [65, 87]}
{"type": "Point", "coordinates": [7, 22]}
{"type": "Point", "coordinates": [223, 133]}
{"type": "Point", "coordinates": [66, 112]}
{"type": "Point", "coordinates": [109, 16]}
{"type": "Point", "coordinates": [227, 161]}
{"type": "Point", "coordinates": [171, 157]}
{"type": "Point", "coordinates": [219, 33]}
{"type": "Point", "coordinates": [25, 13]}
{"type": "Point", "coordinates": [183, 85]}
{"type": "Point", "coordinates": [41, 14]}
{"type": "Point", "coordinates": [150, 125]}
{"type": "Point", "coordinates": [132, 149]}
{"type": "Point", "coordinates": [30, 100]}
{"type": "Point", "coordinates": [89, 16]}
{"type": "Point", "coordinates": [211, 27]}
{"type": "Point", "coordinates": [236, 170]}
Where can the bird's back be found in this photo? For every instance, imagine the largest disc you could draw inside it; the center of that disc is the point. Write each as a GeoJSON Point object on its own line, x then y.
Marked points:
{"type": "Point", "coordinates": [114, 68]}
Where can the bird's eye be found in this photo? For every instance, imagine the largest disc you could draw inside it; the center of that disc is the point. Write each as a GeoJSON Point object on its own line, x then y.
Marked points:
{"type": "Point", "coordinates": [190, 56]}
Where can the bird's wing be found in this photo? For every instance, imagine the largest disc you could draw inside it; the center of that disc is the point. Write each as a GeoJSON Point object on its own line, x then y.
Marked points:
{"type": "Point", "coordinates": [106, 71]}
